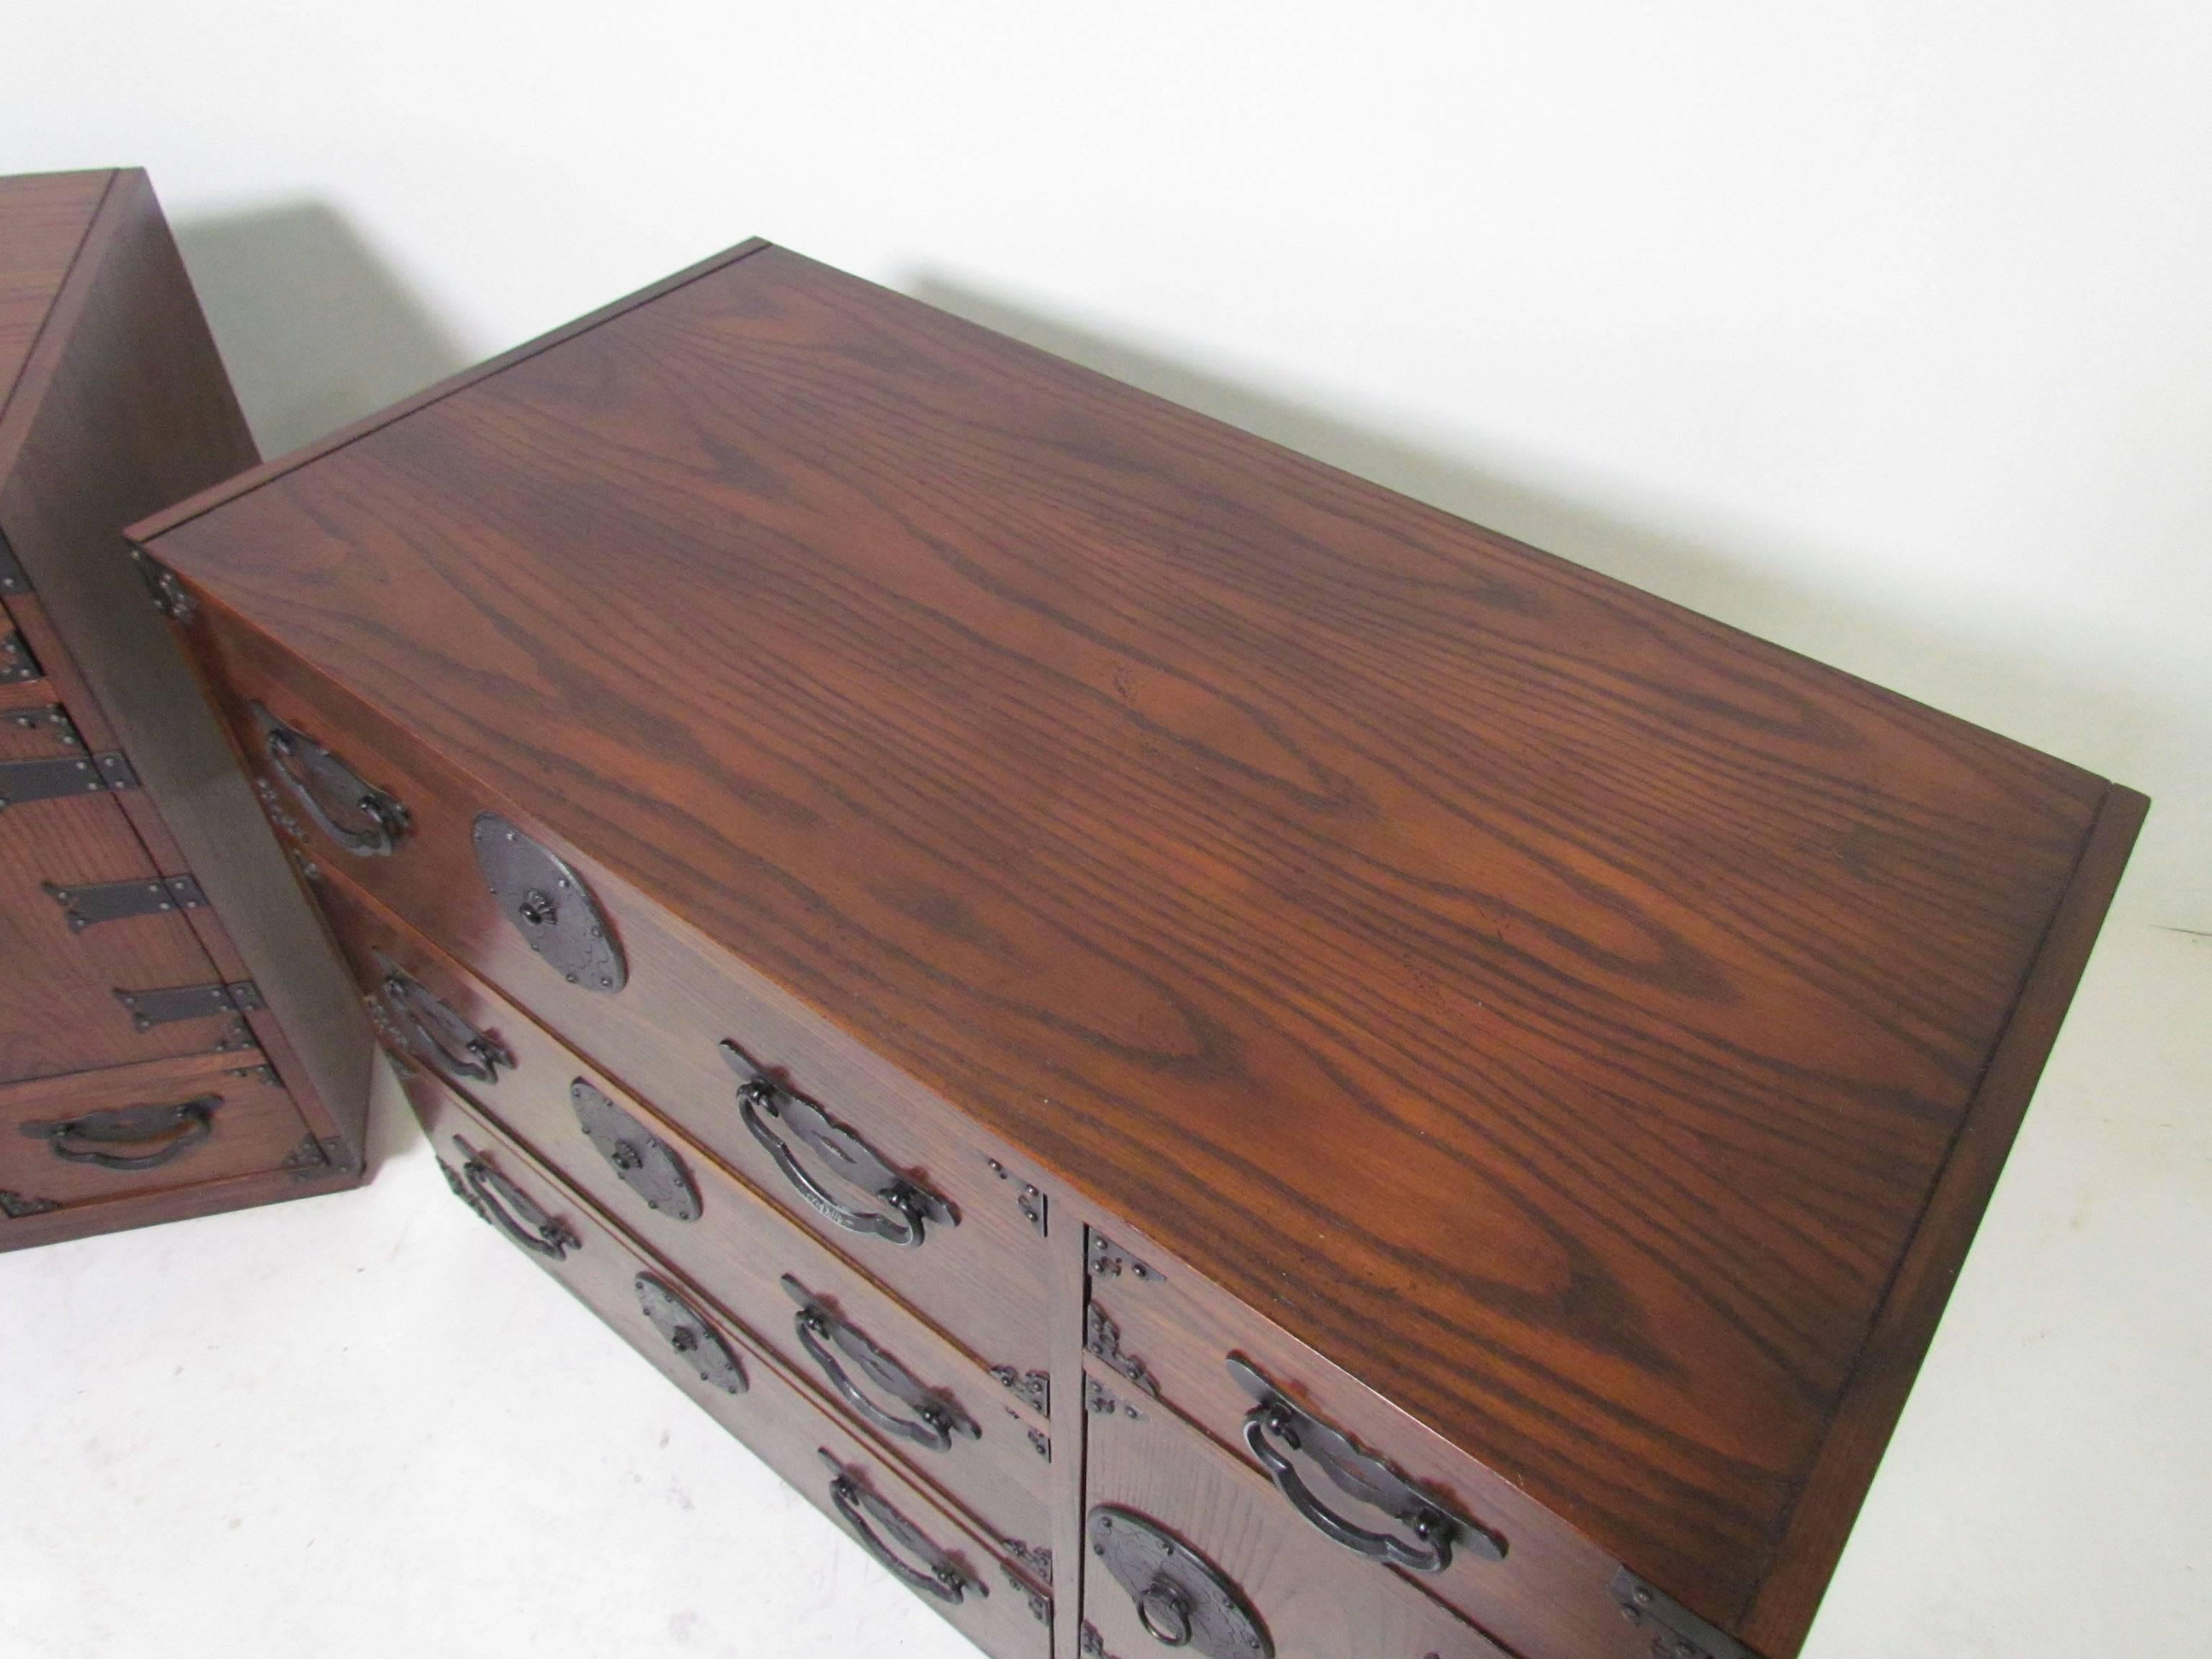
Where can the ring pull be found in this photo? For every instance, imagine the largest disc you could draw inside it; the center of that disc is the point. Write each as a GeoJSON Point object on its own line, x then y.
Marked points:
{"type": "Point", "coordinates": [939, 1576]}
{"type": "Point", "coordinates": [907, 1206]}
{"type": "Point", "coordinates": [173, 1130]}
{"type": "Point", "coordinates": [507, 1206]}
{"type": "Point", "coordinates": [1277, 1423]}
{"type": "Point", "coordinates": [935, 1420]}
{"type": "Point", "coordinates": [436, 1033]}
{"type": "Point", "coordinates": [363, 819]}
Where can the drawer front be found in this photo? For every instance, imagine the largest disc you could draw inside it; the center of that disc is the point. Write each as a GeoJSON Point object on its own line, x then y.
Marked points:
{"type": "Point", "coordinates": [902, 1381]}
{"type": "Point", "coordinates": [1239, 1558]}
{"type": "Point", "coordinates": [131, 1130]}
{"type": "Point", "coordinates": [1516, 1569]}
{"type": "Point", "coordinates": [980, 1269]}
{"type": "Point", "coordinates": [69, 864]}
{"type": "Point", "coordinates": [955, 1567]}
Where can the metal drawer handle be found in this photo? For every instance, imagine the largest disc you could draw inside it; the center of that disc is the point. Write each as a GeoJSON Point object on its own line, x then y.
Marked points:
{"type": "Point", "coordinates": [939, 1574]}
{"type": "Point", "coordinates": [935, 1420]}
{"type": "Point", "coordinates": [908, 1205]}
{"type": "Point", "coordinates": [437, 1033]}
{"type": "Point", "coordinates": [507, 1206]}
{"type": "Point", "coordinates": [177, 1128]}
{"type": "Point", "coordinates": [329, 789]}
{"type": "Point", "coordinates": [1361, 1475]}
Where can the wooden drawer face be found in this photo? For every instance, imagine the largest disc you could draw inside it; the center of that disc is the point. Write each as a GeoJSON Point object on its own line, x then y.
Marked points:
{"type": "Point", "coordinates": [130, 1130]}
{"type": "Point", "coordinates": [774, 1415]}
{"type": "Point", "coordinates": [983, 1279]}
{"type": "Point", "coordinates": [1312, 1599]}
{"type": "Point", "coordinates": [708, 1224]}
{"type": "Point", "coordinates": [58, 1010]}
{"type": "Point", "coordinates": [1549, 1597]}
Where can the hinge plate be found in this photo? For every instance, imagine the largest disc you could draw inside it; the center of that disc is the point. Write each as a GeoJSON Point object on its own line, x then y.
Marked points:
{"type": "Point", "coordinates": [59, 776]}
{"type": "Point", "coordinates": [17, 664]}
{"type": "Point", "coordinates": [1676, 1632]}
{"type": "Point", "coordinates": [148, 1009]}
{"type": "Point", "coordinates": [114, 901]}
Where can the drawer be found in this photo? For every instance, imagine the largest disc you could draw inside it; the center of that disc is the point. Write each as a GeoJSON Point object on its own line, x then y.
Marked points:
{"type": "Point", "coordinates": [908, 1385]}
{"type": "Point", "coordinates": [1517, 1569]}
{"type": "Point", "coordinates": [1234, 1554]}
{"type": "Point", "coordinates": [129, 1130]}
{"type": "Point", "coordinates": [948, 1561]}
{"type": "Point", "coordinates": [979, 1269]}
{"type": "Point", "coordinates": [66, 859]}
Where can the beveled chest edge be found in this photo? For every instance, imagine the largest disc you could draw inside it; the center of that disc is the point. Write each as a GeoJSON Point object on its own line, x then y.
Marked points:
{"type": "Point", "coordinates": [1780, 1611]}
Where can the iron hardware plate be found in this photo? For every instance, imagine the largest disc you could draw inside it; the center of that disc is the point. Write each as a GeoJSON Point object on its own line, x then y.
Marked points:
{"type": "Point", "coordinates": [936, 1418]}
{"type": "Point", "coordinates": [13, 579]}
{"type": "Point", "coordinates": [908, 1207]}
{"type": "Point", "coordinates": [1032, 1389]}
{"type": "Point", "coordinates": [54, 715]}
{"type": "Point", "coordinates": [18, 663]}
{"type": "Point", "coordinates": [1277, 1422]}
{"type": "Point", "coordinates": [1182, 1599]}
{"type": "Point", "coordinates": [939, 1575]}
{"type": "Point", "coordinates": [148, 1009]}
{"type": "Point", "coordinates": [16, 1205]}
{"type": "Point", "coordinates": [686, 1330]}
{"type": "Point", "coordinates": [1102, 1340]}
{"type": "Point", "coordinates": [115, 901]}
{"type": "Point", "coordinates": [431, 1030]}
{"type": "Point", "coordinates": [549, 906]}
{"type": "Point", "coordinates": [168, 593]}
{"type": "Point", "coordinates": [58, 776]}
{"type": "Point", "coordinates": [1676, 1632]}
{"type": "Point", "coordinates": [647, 1164]}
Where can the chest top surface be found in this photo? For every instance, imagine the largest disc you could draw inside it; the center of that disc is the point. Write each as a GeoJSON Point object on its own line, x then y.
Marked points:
{"type": "Point", "coordinates": [43, 221]}
{"type": "Point", "coordinates": [1552, 1004]}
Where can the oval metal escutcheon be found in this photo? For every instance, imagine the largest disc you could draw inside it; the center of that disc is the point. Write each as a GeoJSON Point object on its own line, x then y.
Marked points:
{"type": "Point", "coordinates": [647, 1165]}
{"type": "Point", "coordinates": [1181, 1598]}
{"type": "Point", "coordinates": [549, 906]}
{"type": "Point", "coordinates": [687, 1331]}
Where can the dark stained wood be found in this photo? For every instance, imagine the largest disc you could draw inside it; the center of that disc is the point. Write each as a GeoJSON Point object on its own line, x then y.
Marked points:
{"type": "Point", "coordinates": [46, 215]}
{"type": "Point", "coordinates": [737, 1248]}
{"type": "Point", "coordinates": [255, 1128]}
{"type": "Point", "coordinates": [1556, 1008]}
{"type": "Point", "coordinates": [1316, 1601]}
{"type": "Point", "coordinates": [982, 1281]}
{"type": "Point", "coordinates": [777, 1416]}
{"type": "Point", "coordinates": [116, 403]}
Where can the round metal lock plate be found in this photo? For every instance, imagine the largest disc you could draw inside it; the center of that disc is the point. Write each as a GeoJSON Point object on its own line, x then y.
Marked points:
{"type": "Point", "coordinates": [1182, 1600]}
{"type": "Point", "coordinates": [646, 1163]}
{"type": "Point", "coordinates": [549, 906]}
{"type": "Point", "coordinates": [701, 1345]}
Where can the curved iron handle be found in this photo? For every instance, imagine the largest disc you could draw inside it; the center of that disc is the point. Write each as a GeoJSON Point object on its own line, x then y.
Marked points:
{"type": "Point", "coordinates": [318, 771]}
{"type": "Point", "coordinates": [907, 1206]}
{"type": "Point", "coordinates": [444, 1037]}
{"type": "Point", "coordinates": [129, 1126]}
{"type": "Point", "coordinates": [1435, 1530]}
{"type": "Point", "coordinates": [933, 1423]}
{"type": "Point", "coordinates": [497, 1200]}
{"type": "Point", "coordinates": [942, 1578]}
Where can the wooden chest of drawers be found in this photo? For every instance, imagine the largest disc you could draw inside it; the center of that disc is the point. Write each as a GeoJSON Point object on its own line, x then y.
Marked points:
{"type": "Point", "coordinates": [176, 1035]}
{"type": "Point", "coordinates": [1277, 1072]}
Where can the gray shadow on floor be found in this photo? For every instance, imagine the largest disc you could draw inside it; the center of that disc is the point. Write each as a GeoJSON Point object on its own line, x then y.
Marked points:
{"type": "Point", "coordinates": [315, 328]}
{"type": "Point", "coordinates": [2104, 727]}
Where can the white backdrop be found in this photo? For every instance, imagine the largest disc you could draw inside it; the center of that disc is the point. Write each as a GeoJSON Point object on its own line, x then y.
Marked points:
{"type": "Point", "coordinates": [1878, 329]}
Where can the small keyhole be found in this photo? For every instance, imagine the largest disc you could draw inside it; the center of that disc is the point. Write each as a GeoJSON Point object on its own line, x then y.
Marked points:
{"type": "Point", "coordinates": [536, 909]}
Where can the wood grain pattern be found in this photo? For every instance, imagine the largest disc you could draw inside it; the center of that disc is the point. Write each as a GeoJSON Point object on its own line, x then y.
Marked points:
{"type": "Point", "coordinates": [775, 1416]}
{"type": "Point", "coordinates": [46, 217]}
{"type": "Point", "coordinates": [1555, 1007]}
{"type": "Point", "coordinates": [737, 1248]}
